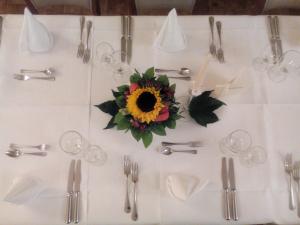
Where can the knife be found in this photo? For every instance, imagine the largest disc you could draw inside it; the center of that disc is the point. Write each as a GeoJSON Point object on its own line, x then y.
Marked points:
{"type": "Point", "coordinates": [272, 39]}
{"type": "Point", "coordinates": [70, 192]}
{"type": "Point", "coordinates": [234, 211]}
{"type": "Point", "coordinates": [1, 24]}
{"type": "Point", "coordinates": [123, 38]}
{"type": "Point", "coordinates": [277, 37]}
{"type": "Point", "coordinates": [129, 39]}
{"type": "Point", "coordinates": [226, 204]}
{"type": "Point", "coordinates": [76, 215]}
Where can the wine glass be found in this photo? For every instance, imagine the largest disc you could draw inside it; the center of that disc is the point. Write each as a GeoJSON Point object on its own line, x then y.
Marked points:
{"type": "Point", "coordinates": [121, 70]}
{"type": "Point", "coordinates": [72, 142]}
{"type": "Point", "coordinates": [253, 156]}
{"type": "Point", "coordinates": [104, 53]}
{"type": "Point", "coordinates": [265, 60]}
{"type": "Point", "coordinates": [95, 154]}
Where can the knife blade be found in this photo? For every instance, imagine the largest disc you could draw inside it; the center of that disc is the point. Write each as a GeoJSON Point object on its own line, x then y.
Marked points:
{"type": "Point", "coordinates": [1, 24]}
{"type": "Point", "coordinates": [234, 211]}
{"type": "Point", "coordinates": [277, 37]}
{"type": "Point", "coordinates": [224, 174]}
{"type": "Point", "coordinates": [70, 192]}
{"type": "Point", "coordinates": [129, 39]}
{"type": "Point", "coordinates": [76, 215]}
{"type": "Point", "coordinates": [123, 38]}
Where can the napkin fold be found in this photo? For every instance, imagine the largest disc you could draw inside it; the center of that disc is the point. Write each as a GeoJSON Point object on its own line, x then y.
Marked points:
{"type": "Point", "coordinates": [170, 37]}
{"type": "Point", "coordinates": [24, 189]}
{"type": "Point", "coordinates": [34, 35]}
{"type": "Point", "coordinates": [182, 187]}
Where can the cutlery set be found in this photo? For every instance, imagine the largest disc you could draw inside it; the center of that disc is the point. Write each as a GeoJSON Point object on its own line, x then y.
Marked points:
{"type": "Point", "coordinates": [229, 190]}
{"type": "Point", "coordinates": [1, 25]}
{"type": "Point", "coordinates": [16, 150]}
{"type": "Point", "coordinates": [73, 192]}
{"type": "Point", "coordinates": [84, 51]}
{"type": "Point", "coordinates": [126, 39]}
{"type": "Point", "coordinates": [214, 51]}
{"type": "Point", "coordinates": [49, 75]}
{"type": "Point", "coordinates": [165, 148]}
{"type": "Point", "coordinates": [131, 170]}
{"type": "Point", "coordinates": [293, 171]}
{"type": "Point", "coordinates": [275, 41]}
{"type": "Point", "coordinates": [184, 72]}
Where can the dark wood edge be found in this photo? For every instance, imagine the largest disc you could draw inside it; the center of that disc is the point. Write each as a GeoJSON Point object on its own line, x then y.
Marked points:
{"type": "Point", "coordinates": [31, 6]}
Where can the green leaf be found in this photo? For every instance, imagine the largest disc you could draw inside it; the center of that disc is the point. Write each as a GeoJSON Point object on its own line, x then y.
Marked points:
{"type": "Point", "coordinates": [149, 74]}
{"type": "Point", "coordinates": [116, 93]}
{"type": "Point", "coordinates": [120, 101]}
{"type": "Point", "coordinates": [118, 117]}
{"type": "Point", "coordinates": [171, 124]}
{"type": "Point", "coordinates": [147, 138]}
{"type": "Point", "coordinates": [205, 119]}
{"type": "Point", "coordinates": [163, 79]}
{"type": "Point", "coordinates": [109, 107]}
{"type": "Point", "coordinates": [123, 88]}
{"type": "Point", "coordinates": [136, 77]}
{"type": "Point", "coordinates": [123, 124]}
{"type": "Point", "coordinates": [159, 129]}
{"type": "Point", "coordinates": [173, 87]}
{"type": "Point", "coordinates": [136, 134]}
{"type": "Point", "coordinates": [110, 124]}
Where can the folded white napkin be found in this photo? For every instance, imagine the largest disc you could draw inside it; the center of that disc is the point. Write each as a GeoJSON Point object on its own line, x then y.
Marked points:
{"type": "Point", "coordinates": [170, 37]}
{"type": "Point", "coordinates": [24, 189]}
{"type": "Point", "coordinates": [183, 186]}
{"type": "Point", "coordinates": [34, 35]}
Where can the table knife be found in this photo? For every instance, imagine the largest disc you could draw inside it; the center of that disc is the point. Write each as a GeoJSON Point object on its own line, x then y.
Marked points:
{"type": "Point", "coordinates": [70, 192]}
{"type": "Point", "coordinates": [234, 211]}
{"type": "Point", "coordinates": [76, 215]}
{"type": "Point", "coordinates": [272, 39]}
{"type": "Point", "coordinates": [277, 37]}
{"type": "Point", "coordinates": [224, 174]}
{"type": "Point", "coordinates": [129, 39]}
{"type": "Point", "coordinates": [123, 38]}
{"type": "Point", "coordinates": [1, 24]}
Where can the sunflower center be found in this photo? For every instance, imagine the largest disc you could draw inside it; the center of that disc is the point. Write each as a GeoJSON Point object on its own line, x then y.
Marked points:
{"type": "Point", "coordinates": [146, 101]}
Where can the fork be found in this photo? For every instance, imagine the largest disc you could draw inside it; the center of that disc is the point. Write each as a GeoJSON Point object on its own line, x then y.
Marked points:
{"type": "Point", "coordinates": [192, 144]}
{"type": "Point", "coordinates": [212, 47]}
{"type": "Point", "coordinates": [87, 51]}
{"type": "Point", "coordinates": [296, 175]}
{"type": "Point", "coordinates": [80, 50]}
{"type": "Point", "coordinates": [288, 166]}
{"type": "Point", "coordinates": [134, 177]}
{"type": "Point", "coordinates": [127, 168]}
{"type": "Point", "coordinates": [220, 52]}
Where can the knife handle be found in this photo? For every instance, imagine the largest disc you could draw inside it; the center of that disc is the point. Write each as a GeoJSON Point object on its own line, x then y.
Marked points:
{"type": "Point", "coordinates": [226, 204]}
{"type": "Point", "coordinates": [271, 25]}
{"type": "Point", "coordinates": [129, 26]}
{"type": "Point", "coordinates": [76, 207]}
{"type": "Point", "coordinates": [123, 24]}
{"type": "Point", "coordinates": [276, 26]}
{"type": "Point", "coordinates": [69, 208]}
{"type": "Point", "coordinates": [234, 210]}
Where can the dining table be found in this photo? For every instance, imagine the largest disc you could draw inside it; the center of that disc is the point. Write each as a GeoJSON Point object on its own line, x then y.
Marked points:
{"type": "Point", "coordinates": [41, 111]}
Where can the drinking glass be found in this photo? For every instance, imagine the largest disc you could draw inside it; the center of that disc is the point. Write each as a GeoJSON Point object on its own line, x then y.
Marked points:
{"type": "Point", "coordinates": [236, 142]}
{"type": "Point", "coordinates": [104, 53]}
{"type": "Point", "coordinates": [72, 142]}
{"type": "Point", "coordinates": [253, 156]}
{"type": "Point", "coordinates": [95, 154]}
{"type": "Point", "coordinates": [265, 60]}
{"type": "Point", "coordinates": [121, 70]}
{"type": "Point", "coordinates": [288, 65]}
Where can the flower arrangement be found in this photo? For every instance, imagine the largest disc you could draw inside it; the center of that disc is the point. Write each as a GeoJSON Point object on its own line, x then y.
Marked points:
{"type": "Point", "coordinates": [144, 107]}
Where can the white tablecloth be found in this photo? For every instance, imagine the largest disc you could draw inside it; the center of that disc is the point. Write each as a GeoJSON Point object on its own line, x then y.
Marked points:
{"type": "Point", "coordinates": [36, 112]}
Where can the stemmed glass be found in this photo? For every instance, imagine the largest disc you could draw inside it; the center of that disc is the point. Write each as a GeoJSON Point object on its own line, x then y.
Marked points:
{"type": "Point", "coordinates": [265, 60]}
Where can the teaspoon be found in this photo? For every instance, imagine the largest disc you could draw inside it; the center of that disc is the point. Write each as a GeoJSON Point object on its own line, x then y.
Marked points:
{"type": "Point", "coordinates": [183, 71]}
{"type": "Point", "coordinates": [41, 147]}
{"type": "Point", "coordinates": [48, 71]}
{"type": "Point", "coordinates": [17, 153]}
{"type": "Point", "coordinates": [168, 151]}
{"type": "Point", "coordinates": [26, 77]}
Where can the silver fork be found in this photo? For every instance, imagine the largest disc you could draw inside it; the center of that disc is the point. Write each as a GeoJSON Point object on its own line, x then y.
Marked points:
{"type": "Point", "coordinates": [212, 47]}
{"type": "Point", "coordinates": [220, 52]}
{"type": "Point", "coordinates": [134, 176]}
{"type": "Point", "coordinates": [87, 51]}
{"type": "Point", "coordinates": [192, 144]}
{"type": "Point", "coordinates": [80, 50]}
{"type": "Point", "coordinates": [127, 168]}
{"type": "Point", "coordinates": [296, 175]}
{"type": "Point", "coordinates": [288, 166]}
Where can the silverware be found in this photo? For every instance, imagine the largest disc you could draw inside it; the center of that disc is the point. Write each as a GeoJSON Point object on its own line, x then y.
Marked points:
{"type": "Point", "coordinates": [69, 209]}
{"type": "Point", "coordinates": [220, 52]}
{"type": "Point", "coordinates": [1, 25]}
{"type": "Point", "coordinates": [192, 144]}
{"type": "Point", "coordinates": [288, 166]}
{"type": "Point", "coordinates": [41, 147]}
{"type": "Point", "coordinates": [234, 210]}
{"type": "Point", "coordinates": [178, 78]}
{"type": "Point", "coordinates": [87, 50]}
{"type": "Point", "coordinates": [15, 153]}
{"type": "Point", "coordinates": [277, 37]}
{"type": "Point", "coordinates": [127, 168]}
{"type": "Point", "coordinates": [135, 178]}
{"type": "Point", "coordinates": [24, 77]}
{"type": "Point", "coordinates": [272, 39]}
{"type": "Point", "coordinates": [296, 175]}
{"type": "Point", "coordinates": [212, 46]}
{"type": "Point", "coordinates": [80, 50]}
{"type": "Point", "coordinates": [123, 38]}
{"type": "Point", "coordinates": [77, 180]}
{"type": "Point", "coordinates": [183, 71]}
{"type": "Point", "coordinates": [48, 71]}
{"type": "Point", "coordinates": [226, 203]}
{"type": "Point", "coordinates": [168, 151]}
{"type": "Point", "coordinates": [129, 39]}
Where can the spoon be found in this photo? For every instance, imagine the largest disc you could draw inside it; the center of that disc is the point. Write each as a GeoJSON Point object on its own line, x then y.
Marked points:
{"type": "Point", "coordinates": [48, 71]}
{"type": "Point", "coordinates": [26, 77]}
{"type": "Point", "coordinates": [17, 153]}
{"type": "Point", "coordinates": [179, 78]}
{"type": "Point", "coordinates": [168, 151]}
{"type": "Point", "coordinates": [183, 71]}
{"type": "Point", "coordinates": [41, 147]}
{"type": "Point", "coordinates": [193, 144]}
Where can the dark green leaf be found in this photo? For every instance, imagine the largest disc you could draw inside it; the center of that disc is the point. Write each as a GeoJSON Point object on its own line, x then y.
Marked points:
{"type": "Point", "coordinates": [135, 78]}
{"type": "Point", "coordinates": [123, 88]}
{"type": "Point", "coordinates": [171, 124]}
{"type": "Point", "coordinates": [159, 129]}
{"type": "Point", "coordinates": [173, 87]}
{"type": "Point", "coordinates": [205, 119]}
{"type": "Point", "coordinates": [110, 124]}
{"type": "Point", "coordinates": [118, 117]}
{"type": "Point", "coordinates": [147, 138]}
{"type": "Point", "coordinates": [149, 74]}
{"type": "Point", "coordinates": [120, 101]}
{"type": "Point", "coordinates": [109, 107]}
{"type": "Point", "coordinates": [116, 93]}
{"type": "Point", "coordinates": [163, 79]}
{"type": "Point", "coordinates": [136, 134]}
{"type": "Point", "coordinates": [123, 124]}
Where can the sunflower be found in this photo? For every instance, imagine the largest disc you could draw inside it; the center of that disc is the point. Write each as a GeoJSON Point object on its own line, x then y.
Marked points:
{"type": "Point", "coordinates": [144, 104]}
